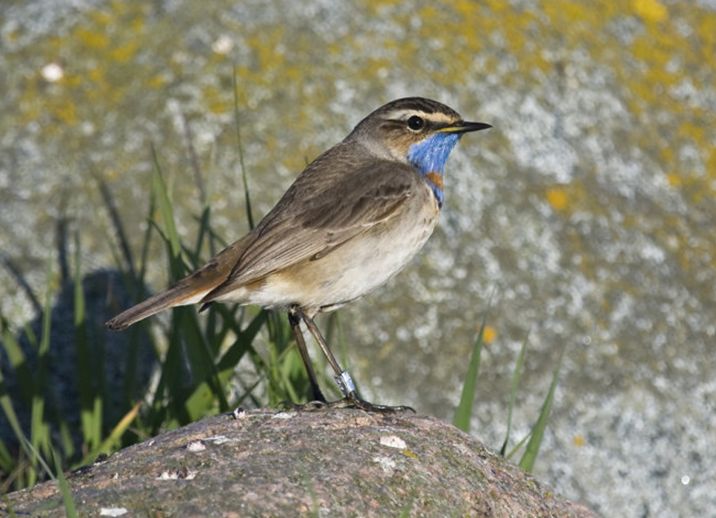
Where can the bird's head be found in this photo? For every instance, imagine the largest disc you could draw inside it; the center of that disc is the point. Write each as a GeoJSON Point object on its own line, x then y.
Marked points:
{"type": "Point", "coordinates": [414, 130]}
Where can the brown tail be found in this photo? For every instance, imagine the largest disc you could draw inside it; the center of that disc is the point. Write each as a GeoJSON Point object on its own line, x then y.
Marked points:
{"type": "Point", "coordinates": [176, 296]}
{"type": "Point", "coordinates": [189, 290]}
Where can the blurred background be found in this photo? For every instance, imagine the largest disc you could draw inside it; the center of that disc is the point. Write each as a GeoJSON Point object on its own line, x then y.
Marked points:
{"type": "Point", "coordinates": [583, 220]}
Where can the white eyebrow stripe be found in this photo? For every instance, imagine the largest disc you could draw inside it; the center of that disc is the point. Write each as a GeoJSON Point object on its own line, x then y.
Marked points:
{"type": "Point", "coordinates": [405, 114]}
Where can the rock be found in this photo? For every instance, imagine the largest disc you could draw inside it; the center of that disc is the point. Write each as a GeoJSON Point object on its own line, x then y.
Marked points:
{"type": "Point", "coordinates": [336, 462]}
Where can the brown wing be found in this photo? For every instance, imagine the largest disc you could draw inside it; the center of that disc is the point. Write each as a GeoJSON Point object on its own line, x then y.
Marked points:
{"type": "Point", "coordinates": [322, 210]}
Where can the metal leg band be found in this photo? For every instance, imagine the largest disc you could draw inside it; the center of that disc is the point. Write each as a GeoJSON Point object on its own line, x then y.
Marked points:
{"type": "Point", "coordinates": [345, 383]}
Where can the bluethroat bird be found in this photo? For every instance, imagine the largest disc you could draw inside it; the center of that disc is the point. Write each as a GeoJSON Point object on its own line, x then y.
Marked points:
{"type": "Point", "coordinates": [351, 220]}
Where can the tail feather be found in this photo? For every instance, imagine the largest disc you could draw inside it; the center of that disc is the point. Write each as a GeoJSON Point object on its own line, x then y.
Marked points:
{"type": "Point", "coordinates": [176, 296]}
{"type": "Point", "coordinates": [190, 290]}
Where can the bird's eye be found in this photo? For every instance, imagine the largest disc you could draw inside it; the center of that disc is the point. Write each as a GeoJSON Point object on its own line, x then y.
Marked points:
{"type": "Point", "coordinates": [416, 123]}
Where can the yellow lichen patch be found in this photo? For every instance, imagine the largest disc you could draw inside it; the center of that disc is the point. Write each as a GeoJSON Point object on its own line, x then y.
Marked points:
{"type": "Point", "coordinates": [706, 30]}
{"type": "Point", "coordinates": [137, 25]}
{"type": "Point", "coordinates": [409, 453]}
{"type": "Point", "coordinates": [674, 179]}
{"type": "Point", "coordinates": [489, 334]}
{"type": "Point", "coordinates": [579, 440]}
{"type": "Point", "coordinates": [91, 39]}
{"type": "Point", "coordinates": [217, 101]}
{"type": "Point", "coordinates": [650, 10]}
{"type": "Point", "coordinates": [125, 52]}
{"type": "Point", "coordinates": [466, 8]}
{"type": "Point", "coordinates": [111, 175]}
{"type": "Point", "coordinates": [711, 165]}
{"type": "Point", "coordinates": [157, 81]}
{"type": "Point", "coordinates": [96, 75]}
{"type": "Point", "coordinates": [13, 35]}
{"type": "Point", "coordinates": [557, 197]}
{"type": "Point", "coordinates": [66, 112]}
{"type": "Point", "coordinates": [100, 17]}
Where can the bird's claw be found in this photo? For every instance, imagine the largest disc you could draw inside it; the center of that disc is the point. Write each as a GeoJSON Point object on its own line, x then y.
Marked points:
{"type": "Point", "coordinates": [352, 400]}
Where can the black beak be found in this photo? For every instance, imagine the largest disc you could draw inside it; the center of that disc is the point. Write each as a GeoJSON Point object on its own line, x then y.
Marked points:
{"type": "Point", "coordinates": [465, 127]}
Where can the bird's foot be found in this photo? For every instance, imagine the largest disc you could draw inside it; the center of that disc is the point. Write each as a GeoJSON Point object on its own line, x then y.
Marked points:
{"type": "Point", "coordinates": [352, 400]}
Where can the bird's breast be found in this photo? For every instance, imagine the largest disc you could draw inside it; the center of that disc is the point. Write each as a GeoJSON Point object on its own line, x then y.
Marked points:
{"type": "Point", "coordinates": [360, 264]}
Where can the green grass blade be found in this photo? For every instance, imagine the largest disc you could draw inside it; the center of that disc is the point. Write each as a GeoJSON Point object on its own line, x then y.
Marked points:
{"type": "Point", "coordinates": [138, 292]}
{"type": "Point", "coordinates": [191, 393]}
{"type": "Point", "coordinates": [22, 283]}
{"type": "Point", "coordinates": [249, 394]}
{"type": "Point", "coordinates": [240, 148]}
{"type": "Point", "coordinates": [194, 160]}
{"type": "Point", "coordinates": [166, 210]}
{"type": "Point", "coordinates": [8, 505]}
{"type": "Point", "coordinates": [39, 430]}
{"type": "Point", "coordinates": [114, 440]}
{"type": "Point", "coordinates": [516, 378]}
{"type": "Point", "coordinates": [7, 462]}
{"type": "Point", "coordinates": [532, 450]}
{"type": "Point", "coordinates": [65, 438]}
{"type": "Point", "coordinates": [243, 344]}
{"type": "Point", "coordinates": [187, 346]}
{"type": "Point", "coordinates": [284, 373]}
{"type": "Point", "coordinates": [17, 473]}
{"type": "Point", "coordinates": [204, 230]}
{"type": "Point", "coordinates": [201, 359]}
{"type": "Point", "coordinates": [18, 363]}
{"type": "Point", "coordinates": [294, 382]}
{"type": "Point", "coordinates": [65, 491]}
{"type": "Point", "coordinates": [116, 220]}
{"type": "Point", "coordinates": [31, 335]}
{"type": "Point", "coordinates": [37, 458]}
{"type": "Point", "coordinates": [463, 414]}
{"type": "Point", "coordinates": [146, 241]}
{"type": "Point", "coordinates": [519, 445]}
{"type": "Point", "coordinates": [90, 408]}
{"type": "Point", "coordinates": [9, 410]}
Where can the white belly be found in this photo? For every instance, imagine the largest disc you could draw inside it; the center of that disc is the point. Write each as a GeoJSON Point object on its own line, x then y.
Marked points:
{"type": "Point", "coordinates": [354, 268]}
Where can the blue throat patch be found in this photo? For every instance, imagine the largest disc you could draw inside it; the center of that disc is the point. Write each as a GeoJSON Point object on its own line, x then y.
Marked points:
{"type": "Point", "coordinates": [430, 156]}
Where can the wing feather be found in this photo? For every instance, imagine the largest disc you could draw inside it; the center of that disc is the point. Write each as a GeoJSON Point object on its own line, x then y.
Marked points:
{"type": "Point", "coordinates": [314, 216]}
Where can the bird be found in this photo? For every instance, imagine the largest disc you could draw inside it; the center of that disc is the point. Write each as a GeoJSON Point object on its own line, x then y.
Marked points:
{"type": "Point", "coordinates": [353, 218]}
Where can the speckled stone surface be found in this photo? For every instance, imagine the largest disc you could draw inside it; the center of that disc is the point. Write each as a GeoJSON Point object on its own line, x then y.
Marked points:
{"type": "Point", "coordinates": [318, 463]}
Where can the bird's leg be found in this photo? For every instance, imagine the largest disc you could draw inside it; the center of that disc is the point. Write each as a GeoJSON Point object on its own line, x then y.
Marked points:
{"type": "Point", "coordinates": [343, 378]}
{"type": "Point", "coordinates": [295, 320]}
